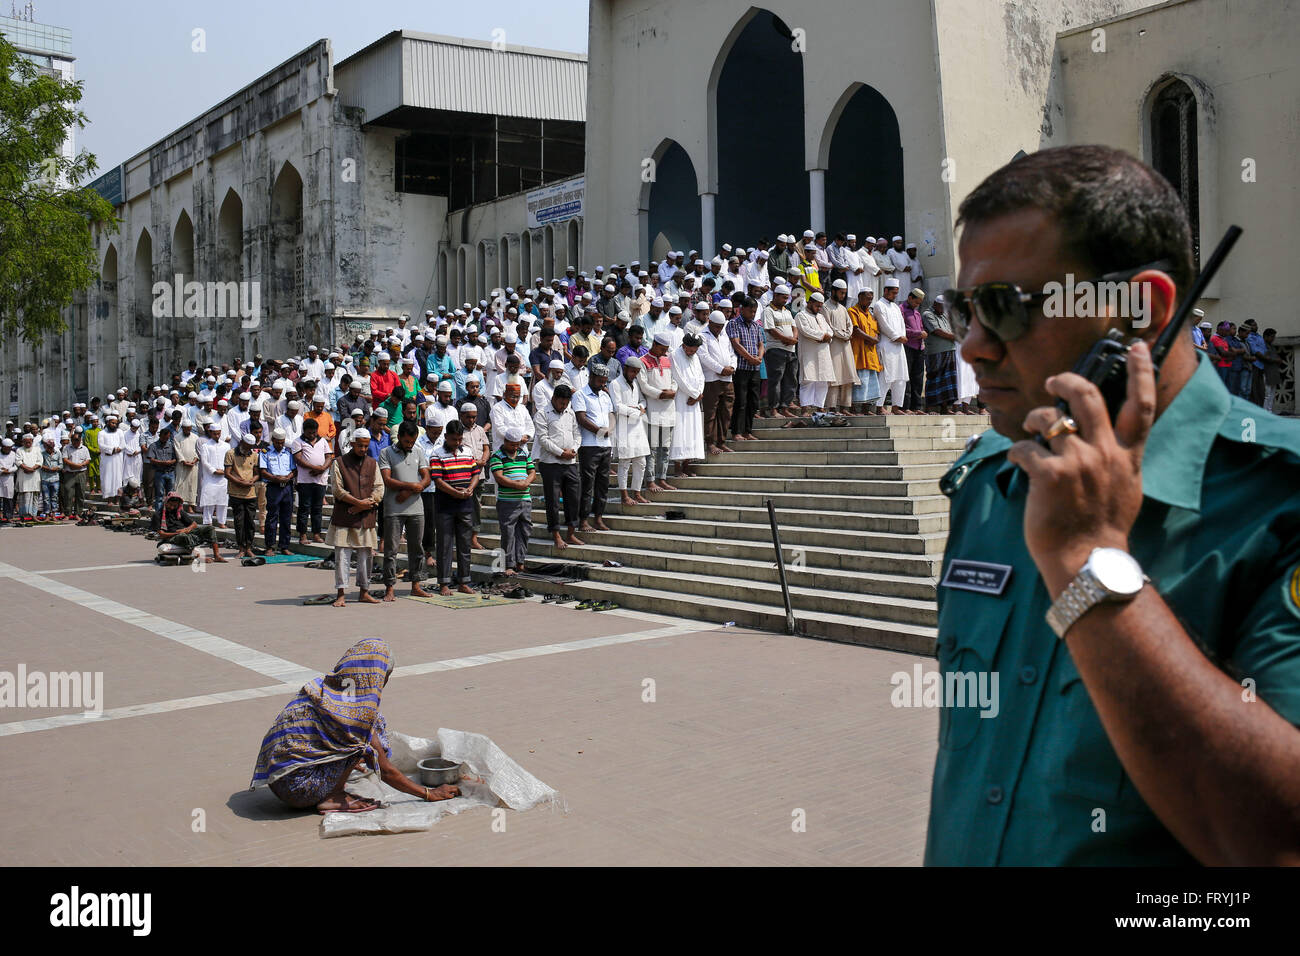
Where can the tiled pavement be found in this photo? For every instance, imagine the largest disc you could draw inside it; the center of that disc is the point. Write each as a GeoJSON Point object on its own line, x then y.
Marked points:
{"type": "Point", "coordinates": [746, 727]}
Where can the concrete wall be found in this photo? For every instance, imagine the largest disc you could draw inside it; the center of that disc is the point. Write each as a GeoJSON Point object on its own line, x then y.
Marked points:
{"type": "Point", "coordinates": [1238, 58]}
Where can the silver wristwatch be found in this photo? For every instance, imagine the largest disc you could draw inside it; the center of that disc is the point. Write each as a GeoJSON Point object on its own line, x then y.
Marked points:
{"type": "Point", "coordinates": [1109, 575]}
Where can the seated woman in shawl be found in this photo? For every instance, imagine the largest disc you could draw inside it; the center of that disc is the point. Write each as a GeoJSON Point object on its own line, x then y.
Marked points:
{"type": "Point", "coordinates": [328, 729]}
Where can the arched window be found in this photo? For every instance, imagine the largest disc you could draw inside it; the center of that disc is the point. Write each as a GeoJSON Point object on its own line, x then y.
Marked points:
{"type": "Point", "coordinates": [1174, 149]}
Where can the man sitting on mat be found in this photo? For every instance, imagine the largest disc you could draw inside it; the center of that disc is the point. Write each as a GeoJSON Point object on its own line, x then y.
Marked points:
{"type": "Point", "coordinates": [180, 528]}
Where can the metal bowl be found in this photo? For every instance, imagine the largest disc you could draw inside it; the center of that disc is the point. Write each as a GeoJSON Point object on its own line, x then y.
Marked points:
{"type": "Point", "coordinates": [434, 771]}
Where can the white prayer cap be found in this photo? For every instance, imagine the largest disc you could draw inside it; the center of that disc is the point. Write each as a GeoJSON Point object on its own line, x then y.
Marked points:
{"type": "Point", "coordinates": [470, 406]}
{"type": "Point", "coordinates": [245, 396]}
{"type": "Point", "coordinates": [510, 338]}
{"type": "Point", "coordinates": [280, 385]}
{"type": "Point", "coordinates": [358, 412]}
{"type": "Point", "coordinates": [512, 433]}
{"type": "Point", "coordinates": [294, 404]}
{"type": "Point", "coordinates": [428, 313]}
{"type": "Point", "coordinates": [724, 303]}
{"type": "Point", "coordinates": [717, 318]}
{"type": "Point", "coordinates": [891, 283]}
{"type": "Point", "coordinates": [135, 423]}
{"type": "Point", "coordinates": [676, 311]}
{"type": "Point", "coordinates": [839, 284]}
{"type": "Point", "coordinates": [556, 364]}
{"type": "Point", "coordinates": [910, 245]}
{"type": "Point", "coordinates": [609, 288]}
{"type": "Point", "coordinates": [7, 443]}
{"type": "Point", "coordinates": [850, 237]}
{"type": "Point", "coordinates": [897, 239]}
{"type": "Point", "coordinates": [312, 348]}
{"type": "Point", "coordinates": [1199, 313]}
{"type": "Point", "coordinates": [445, 386]}
{"type": "Point", "coordinates": [483, 339]}
{"type": "Point", "coordinates": [657, 301]}
{"type": "Point", "coordinates": [939, 299]}
{"type": "Point", "coordinates": [817, 297]}
{"type": "Point", "coordinates": [329, 365]}
{"type": "Point", "coordinates": [409, 360]}
{"type": "Point", "coordinates": [623, 317]}
{"type": "Point", "coordinates": [212, 423]}
{"type": "Point", "coordinates": [809, 234]}
{"type": "Point", "coordinates": [212, 379]}
{"type": "Point", "coordinates": [381, 414]}
{"type": "Point", "coordinates": [360, 433]}
{"type": "Point", "coordinates": [1204, 325]}
{"type": "Point", "coordinates": [248, 439]}
{"type": "Point", "coordinates": [762, 254]}
{"type": "Point", "coordinates": [663, 338]}
{"type": "Point", "coordinates": [781, 289]}
{"type": "Point", "coordinates": [278, 433]}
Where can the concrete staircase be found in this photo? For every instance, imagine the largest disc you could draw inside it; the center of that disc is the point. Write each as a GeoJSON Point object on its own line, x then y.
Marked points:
{"type": "Point", "coordinates": [861, 520]}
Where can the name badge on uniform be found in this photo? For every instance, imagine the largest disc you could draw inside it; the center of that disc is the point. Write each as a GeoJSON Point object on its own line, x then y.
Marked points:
{"type": "Point", "coordinates": [980, 576]}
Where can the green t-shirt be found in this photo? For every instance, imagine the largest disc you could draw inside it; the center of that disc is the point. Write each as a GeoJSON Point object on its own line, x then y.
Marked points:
{"type": "Point", "coordinates": [516, 468]}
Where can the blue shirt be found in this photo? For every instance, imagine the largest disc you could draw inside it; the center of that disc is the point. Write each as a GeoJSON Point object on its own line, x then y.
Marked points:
{"type": "Point", "coordinates": [276, 463]}
{"type": "Point", "coordinates": [1020, 786]}
{"type": "Point", "coordinates": [1198, 337]}
{"type": "Point", "coordinates": [461, 377]}
{"type": "Point", "coordinates": [1255, 344]}
{"type": "Point", "coordinates": [379, 440]}
{"type": "Point", "coordinates": [442, 366]}
{"type": "Point", "coordinates": [598, 406]}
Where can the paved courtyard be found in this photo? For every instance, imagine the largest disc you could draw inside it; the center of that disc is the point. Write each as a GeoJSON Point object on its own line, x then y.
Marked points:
{"type": "Point", "coordinates": [746, 728]}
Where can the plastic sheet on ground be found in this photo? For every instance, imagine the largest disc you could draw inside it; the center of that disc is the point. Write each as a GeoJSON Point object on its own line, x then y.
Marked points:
{"type": "Point", "coordinates": [488, 778]}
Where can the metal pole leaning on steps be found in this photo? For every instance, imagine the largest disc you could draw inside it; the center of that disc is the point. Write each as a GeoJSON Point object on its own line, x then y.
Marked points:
{"type": "Point", "coordinates": [780, 568]}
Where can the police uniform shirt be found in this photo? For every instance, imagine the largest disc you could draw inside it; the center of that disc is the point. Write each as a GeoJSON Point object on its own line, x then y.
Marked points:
{"type": "Point", "coordinates": [1025, 787]}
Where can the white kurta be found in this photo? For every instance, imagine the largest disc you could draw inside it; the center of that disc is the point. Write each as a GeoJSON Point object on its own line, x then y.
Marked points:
{"type": "Point", "coordinates": [893, 361]}
{"type": "Point", "coordinates": [134, 466]}
{"type": "Point", "coordinates": [629, 438]}
{"type": "Point", "coordinates": [902, 263]}
{"type": "Point", "coordinates": [885, 267]}
{"type": "Point", "coordinates": [8, 469]}
{"type": "Point", "coordinates": [213, 489]}
{"type": "Point", "coordinates": [837, 317]}
{"type": "Point", "coordinates": [688, 436]}
{"type": "Point", "coordinates": [659, 411]}
{"type": "Point", "coordinates": [187, 476]}
{"type": "Point", "coordinates": [967, 388]}
{"type": "Point", "coordinates": [112, 464]}
{"type": "Point", "coordinates": [815, 364]}
{"type": "Point", "coordinates": [867, 279]}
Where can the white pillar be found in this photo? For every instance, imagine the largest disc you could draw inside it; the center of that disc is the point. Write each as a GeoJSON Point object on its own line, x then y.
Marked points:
{"type": "Point", "coordinates": [708, 239]}
{"type": "Point", "coordinates": [817, 199]}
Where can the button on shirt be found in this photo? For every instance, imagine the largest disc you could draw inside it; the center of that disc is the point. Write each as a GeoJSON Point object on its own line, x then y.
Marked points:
{"type": "Point", "coordinates": [598, 406]}
{"type": "Point", "coordinates": [1021, 787]}
{"type": "Point", "coordinates": [750, 335]}
{"type": "Point", "coordinates": [278, 463]}
{"type": "Point", "coordinates": [403, 466]}
{"type": "Point", "coordinates": [716, 354]}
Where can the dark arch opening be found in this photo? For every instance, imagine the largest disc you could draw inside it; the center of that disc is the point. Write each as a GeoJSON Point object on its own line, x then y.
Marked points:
{"type": "Point", "coordinates": [762, 66]}
{"type": "Point", "coordinates": [674, 209]}
{"type": "Point", "coordinates": [1174, 149]}
{"type": "Point", "coordinates": [864, 170]}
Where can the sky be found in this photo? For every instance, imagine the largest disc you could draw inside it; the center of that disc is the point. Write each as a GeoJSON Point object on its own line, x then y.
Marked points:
{"type": "Point", "coordinates": [143, 79]}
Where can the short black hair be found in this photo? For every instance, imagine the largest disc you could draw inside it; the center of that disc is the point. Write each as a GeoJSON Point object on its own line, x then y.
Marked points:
{"type": "Point", "coordinates": [562, 391]}
{"type": "Point", "coordinates": [1114, 211]}
{"type": "Point", "coordinates": [453, 427]}
{"type": "Point", "coordinates": [581, 351]}
{"type": "Point", "coordinates": [407, 428]}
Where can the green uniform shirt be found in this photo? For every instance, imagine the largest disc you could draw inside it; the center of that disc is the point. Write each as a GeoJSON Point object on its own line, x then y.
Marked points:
{"type": "Point", "coordinates": [1219, 536]}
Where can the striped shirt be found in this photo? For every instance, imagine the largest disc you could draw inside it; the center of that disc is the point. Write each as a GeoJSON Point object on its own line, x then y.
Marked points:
{"type": "Point", "coordinates": [749, 334]}
{"type": "Point", "coordinates": [456, 469]}
{"type": "Point", "coordinates": [514, 467]}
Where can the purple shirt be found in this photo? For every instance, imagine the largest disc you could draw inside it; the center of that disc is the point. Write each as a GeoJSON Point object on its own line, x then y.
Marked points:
{"type": "Point", "coordinates": [912, 321]}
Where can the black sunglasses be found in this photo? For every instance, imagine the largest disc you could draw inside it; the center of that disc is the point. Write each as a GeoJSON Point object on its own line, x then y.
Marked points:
{"type": "Point", "coordinates": [1002, 308]}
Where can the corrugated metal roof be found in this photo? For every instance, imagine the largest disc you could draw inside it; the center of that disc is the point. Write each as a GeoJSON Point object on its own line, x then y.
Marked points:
{"type": "Point", "coordinates": [468, 76]}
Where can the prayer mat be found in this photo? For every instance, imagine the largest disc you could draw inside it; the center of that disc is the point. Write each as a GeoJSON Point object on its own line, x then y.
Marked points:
{"type": "Point", "coordinates": [288, 558]}
{"type": "Point", "coordinates": [458, 600]}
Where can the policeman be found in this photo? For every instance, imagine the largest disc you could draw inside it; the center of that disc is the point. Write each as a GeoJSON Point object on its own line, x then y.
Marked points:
{"type": "Point", "coordinates": [1143, 624]}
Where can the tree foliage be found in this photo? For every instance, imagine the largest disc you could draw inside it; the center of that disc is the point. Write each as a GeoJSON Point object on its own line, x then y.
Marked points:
{"type": "Point", "coordinates": [47, 251]}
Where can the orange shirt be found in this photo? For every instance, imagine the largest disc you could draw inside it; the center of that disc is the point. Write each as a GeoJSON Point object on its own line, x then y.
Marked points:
{"type": "Point", "coordinates": [865, 356]}
{"type": "Point", "coordinates": [325, 426]}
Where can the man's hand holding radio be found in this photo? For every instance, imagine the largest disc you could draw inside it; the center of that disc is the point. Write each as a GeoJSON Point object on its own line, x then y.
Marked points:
{"type": "Point", "coordinates": [1085, 487]}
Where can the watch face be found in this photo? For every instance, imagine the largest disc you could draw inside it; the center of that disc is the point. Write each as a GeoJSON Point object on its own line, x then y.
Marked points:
{"type": "Point", "coordinates": [1116, 571]}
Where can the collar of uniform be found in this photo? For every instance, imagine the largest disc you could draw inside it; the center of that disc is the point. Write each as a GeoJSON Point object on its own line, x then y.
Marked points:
{"type": "Point", "coordinates": [1173, 462]}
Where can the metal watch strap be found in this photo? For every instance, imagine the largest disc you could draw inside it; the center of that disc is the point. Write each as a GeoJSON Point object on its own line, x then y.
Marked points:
{"type": "Point", "coordinates": [1084, 593]}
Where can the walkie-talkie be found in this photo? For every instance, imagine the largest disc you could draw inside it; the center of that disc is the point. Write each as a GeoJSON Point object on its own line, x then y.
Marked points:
{"type": "Point", "coordinates": [1106, 363]}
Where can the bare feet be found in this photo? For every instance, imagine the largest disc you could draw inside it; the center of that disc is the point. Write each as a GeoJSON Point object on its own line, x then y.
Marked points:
{"type": "Point", "coordinates": [417, 591]}
{"type": "Point", "coordinates": [318, 539]}
{"type": "Point", "coordinates": [574, 539]}
{"type": "Point", "coordinates": [639, 499]}
{"type": "Point", "coordinates": [465, 589]}
{"type": "Point", "coordinates": [559, 542]}
{"type": "Point", "coordinates": [366, 598]}
{"type": "Point", "coordinates": [476, 544]}
{"type": "Point", "coordinates": [585, 526]}
{"type": "Point", "coordinates": [653, 486]}
{"type": "Point", "coordinates": [750, 436]}
{"type": "Point", "coordinates": [626, 499]}
{"type": "Point", "coordinates": [664, 486]}
{"type": "Point", "coordinates": [445, 591]}
{"type": "Point", "coordinates": [388, 594]}
{"type": "Point", "coordinates": [600, 525]}
{"type": "Point", "coordinates": [509, 572]}
{"type": "Point", "coordinates": [715, 450]}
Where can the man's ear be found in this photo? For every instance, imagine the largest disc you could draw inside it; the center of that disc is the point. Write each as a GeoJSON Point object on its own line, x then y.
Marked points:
{"type": "Point", "coordinates": [1153, 305]}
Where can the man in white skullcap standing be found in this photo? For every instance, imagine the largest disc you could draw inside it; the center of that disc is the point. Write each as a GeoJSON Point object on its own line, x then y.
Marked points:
{"type": "Point", "coordinates": [890, 347]}
{"type": "Point", "coordinates": [902, 264]}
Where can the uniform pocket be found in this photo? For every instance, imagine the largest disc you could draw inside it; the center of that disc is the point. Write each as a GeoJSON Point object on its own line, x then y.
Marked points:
{"type": "Point", "coordinates": [1090, 767]}
{"type": "Point", "coordinates": [970, 631]}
